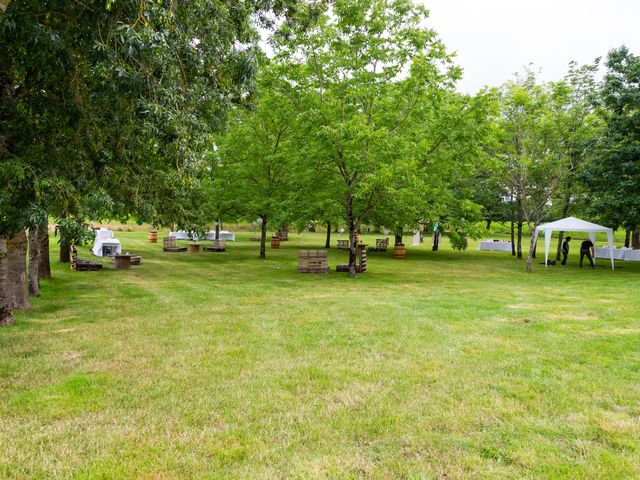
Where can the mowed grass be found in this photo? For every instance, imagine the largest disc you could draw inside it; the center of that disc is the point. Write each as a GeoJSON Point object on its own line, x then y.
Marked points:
{"type": "Point", "coordinates": [443, 365]}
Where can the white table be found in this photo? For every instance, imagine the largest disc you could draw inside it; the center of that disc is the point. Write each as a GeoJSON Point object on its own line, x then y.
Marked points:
{"type": "Point", "coordinates": [180, 235]}
{"type": "Point", "coordinates": [627, 254]}
{"type": "Point", "coordinates": [495, 246]}
{"type": "Point", "coordinates": [210, 235]}
{"type": "Point", "coordinates": [603, 252]}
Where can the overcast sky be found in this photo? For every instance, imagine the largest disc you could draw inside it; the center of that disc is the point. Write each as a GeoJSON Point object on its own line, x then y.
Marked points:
{"type": "Point", "coordinates": [495, 38]}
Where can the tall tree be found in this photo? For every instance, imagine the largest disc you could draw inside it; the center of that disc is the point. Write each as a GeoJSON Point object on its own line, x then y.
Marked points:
{"type": "Point", "coordinates": [534, 166]}
{"type": "Point", "coordinates": [356, 74]}
{"type": "Point", "coordinates": [254, 160]}
{"type": "Point", "coordinates": [577, 126]}
{"type": "Point", "coordinates": [613, 176]}
{"type": "Point", "coordinates": [119, 97]}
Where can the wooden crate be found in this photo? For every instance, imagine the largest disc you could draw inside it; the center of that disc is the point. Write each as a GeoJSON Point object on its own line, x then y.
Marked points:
{"type": "Point", "coordinates": [313, 261]}
{"type": "Point", "coordinates": [361, 262]}
{"type": "Point", "coordinates": [343, 245]}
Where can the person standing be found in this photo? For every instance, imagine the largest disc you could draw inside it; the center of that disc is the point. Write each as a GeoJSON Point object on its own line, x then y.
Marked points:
{"type": "Point", "coordinates": [565, 250]}
{"type": "Point", "coordinates": [587, 250]}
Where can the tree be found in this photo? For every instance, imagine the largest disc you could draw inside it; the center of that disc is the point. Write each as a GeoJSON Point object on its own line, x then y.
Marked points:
{"type": "Point", "coordinates": [534, 165]}
{"type": "Point", "coordinates": [254, 159]}
{"type": "Point", "coordinates": [613, 175]}
{"type": "Point", "coordinates": [578, 126]}
{"type": "Point", "coordinates": [355, 74]}
{"type": "Point", "coordinates": [119, 97]}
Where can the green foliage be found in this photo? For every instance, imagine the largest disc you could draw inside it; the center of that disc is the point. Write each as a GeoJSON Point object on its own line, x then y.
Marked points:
{"type": "Point", "coordinates": [74, 231]}
{"type": "Point", "coordinates": [119, 97]}
{"type": "Point", "coordinates": [613, 177]}
{"type": "Point", "coordinates": [358, 75]}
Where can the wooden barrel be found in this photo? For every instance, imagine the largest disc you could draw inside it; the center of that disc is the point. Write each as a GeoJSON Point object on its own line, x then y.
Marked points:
{"type": "Point", "coordinates": [194, 247]}
{"type": "Point", "coordinates": [153, 236]}
{"type": "Point", "coordinates": [399, 251]}
{"type": "Point", "coordinates": [275, 242]}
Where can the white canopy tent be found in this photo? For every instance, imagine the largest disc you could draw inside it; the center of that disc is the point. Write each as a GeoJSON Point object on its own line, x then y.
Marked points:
{"type": "Point", "coordinates": [573, 224]}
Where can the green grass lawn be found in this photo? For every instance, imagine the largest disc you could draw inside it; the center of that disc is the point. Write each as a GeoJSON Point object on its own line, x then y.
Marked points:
{"type": "Point", "coordinates": [443, 365]}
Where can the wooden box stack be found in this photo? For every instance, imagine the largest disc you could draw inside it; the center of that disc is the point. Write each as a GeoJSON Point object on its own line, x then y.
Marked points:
{"type": "Point", "coordinates": [313, 261]}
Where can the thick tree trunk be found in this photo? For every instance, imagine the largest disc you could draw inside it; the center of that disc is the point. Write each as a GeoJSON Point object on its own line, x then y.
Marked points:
{"type": "Point", "coordinates": [44, 269]}
{"type": "Point", "coordinates": [327, 242]}
{"type": "Point", "coordinates": [65, 253]}
{"type": "Point", "coordinates": [263, 236]}
{"type": "Point", "coordinates": [34, 263]}
{"type": "Point", "coordinates": [635, 239]}
{"type": "Point", "coordinates": [519, 245]}
{"type": "Point", "coordinates": [627, 237]}
{"type": "Point", "coordinates": [513, 239]}
{"type": "Point", "coordinates": [6, 301]}
{"type": "Point", "coordinates": [532, 249]}
{"type": "Point", "coordinates": [488, 226]}
{"type": "Point", "coordinates": [217, 230]}
{"type": "Point", "coordinates": [17, 270]}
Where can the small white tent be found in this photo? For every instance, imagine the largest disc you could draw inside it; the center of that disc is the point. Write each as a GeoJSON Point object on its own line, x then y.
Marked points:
{"type": "Point", "coordinates": [573, 224]}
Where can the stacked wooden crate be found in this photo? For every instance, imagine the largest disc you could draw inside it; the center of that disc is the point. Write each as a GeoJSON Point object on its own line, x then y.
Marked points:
{"type": "Point", "coordinates": [313, 261]}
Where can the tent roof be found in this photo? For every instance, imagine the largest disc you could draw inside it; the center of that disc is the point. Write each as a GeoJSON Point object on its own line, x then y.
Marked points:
{"type": "Point", "coordinates": [573, 224]}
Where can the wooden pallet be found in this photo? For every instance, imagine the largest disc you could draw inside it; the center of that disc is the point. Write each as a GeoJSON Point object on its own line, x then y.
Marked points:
{"type": "Point", "coordinates": [216, 246]}
{"type": "Point", "coordinates": [361, 262]}
{"type": "Point", "coordinates": [169, 245]}
{"type": "Point", "coordinates": [83, 265]}
{"type": "Point", "coordinates": [381, 245]}
{"type": "Point", "coordinates": [313, 261]}
{"type": "Point", "coordinates": [343, 245]}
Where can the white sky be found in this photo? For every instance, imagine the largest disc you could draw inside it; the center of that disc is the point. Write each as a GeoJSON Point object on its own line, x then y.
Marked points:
{"type": "Point", "coordinates": [496, 38]}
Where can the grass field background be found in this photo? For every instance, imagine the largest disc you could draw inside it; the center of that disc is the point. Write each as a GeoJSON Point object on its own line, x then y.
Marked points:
{"type": "Point", "coordinates": [443, 365]}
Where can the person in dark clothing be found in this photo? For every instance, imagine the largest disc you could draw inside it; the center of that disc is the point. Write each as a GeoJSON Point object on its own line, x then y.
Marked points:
{"type": "Point", "coordinates": [565, 250]}
{"type": "Point", "coordinates": [586, 250]}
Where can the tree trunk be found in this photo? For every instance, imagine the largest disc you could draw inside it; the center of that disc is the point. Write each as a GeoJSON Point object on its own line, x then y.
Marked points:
{"type": "Point", "coordinates": [560, 239]}
{"type": "Point", "coordinates": [352, 236]}
{"type": "Point", "coordinates": [6, 302]}
{"type": "Point", "coordinates": [217, 235]}
{"type": "Point", "coordinates": [535, 248]}
{"type": "Point", "coordinates": [488, 226]}
{"type": "Point", "coordinates": [398, 234]}
{"type": "Point", "coordinates": [565, 211]}
{"type": "Point", "coordinates": [327, 243]}
{"type": "Point", "coordinates": [17, 270]}
{"type": "Point", "coordinates": [635, 239]}
{"type": "Point", "coordinates": [519, 246]}
{"type": "Point", "coordinates": [513, 239]}
{"type": "Point", "coordinates": [65, 253]}
{"type": "Point", "coordinates": [436, 241]}
{"type": "Point", "coordinates": [34, 262]}
{"type": "Point", "coordinates": [263, 236]}
{"type": "Point", "coordinates": [44, 269]}
{"type": "Point", "coordinates": [532, 249]}
{"type": "Point", "coordinates": [627, 237]}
